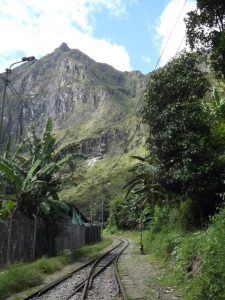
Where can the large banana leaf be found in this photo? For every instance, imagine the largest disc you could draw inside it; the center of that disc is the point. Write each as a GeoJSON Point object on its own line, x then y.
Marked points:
{"type": "Point", "coordinates": [48, 169]}
{"type": "Point", "coordinates": [16, 153]}
{"type": "Point", "coordinates": [34, 185]}
{"type": "Point", "coordinates": [32, 172]}
{"type": "Point", "coordinates": [45, 208]}
{"type": "Point", "coordinates": [37, 177]}
{"type": "Point", "coordinates": [135, 179]}
{"type": "Point", "coordinates": [59, 205]}
{"type": "Point", "coordinates": [6, 153]}
{"type": "Point", "coordinates": [64, 160]}
{"type": "Point", "coordinates": [11, 175]}
{"type": "Point", "coordinates": [13, 165]}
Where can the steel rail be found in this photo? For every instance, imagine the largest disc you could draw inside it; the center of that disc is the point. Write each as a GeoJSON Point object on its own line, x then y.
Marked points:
{"type": "Point", "coordinates": [93, 274]}
{"type": "Point", "coordinates": [77, 287]}
{"type": "Point", "coordinates": [50, 286]}
{"type": "Point", "coordinates": [85, 284]}
{"type": "Point", "coordinates": [118, 280]}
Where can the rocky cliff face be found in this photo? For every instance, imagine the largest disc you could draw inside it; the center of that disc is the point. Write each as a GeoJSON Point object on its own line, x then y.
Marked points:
{"type": "Point", "coordinates": [88, 101]}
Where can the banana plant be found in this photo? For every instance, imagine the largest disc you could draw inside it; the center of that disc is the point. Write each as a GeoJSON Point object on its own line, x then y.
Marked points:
{"type": "Point", "coordinates": [31, 183]}
{"type": "Point", "coordinates": [144, 182]}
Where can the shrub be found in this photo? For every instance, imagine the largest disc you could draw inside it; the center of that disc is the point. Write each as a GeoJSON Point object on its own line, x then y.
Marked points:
{"type": "Point", "coordinates": [210, 284]}
{"type": "Point", "coordinates": [16, 279]}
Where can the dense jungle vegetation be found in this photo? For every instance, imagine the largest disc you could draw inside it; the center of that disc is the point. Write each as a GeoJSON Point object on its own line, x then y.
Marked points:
{"type": "Point", "coordinates": [177, 190]}
{"type": "Point", "coordinates": [31, 176]}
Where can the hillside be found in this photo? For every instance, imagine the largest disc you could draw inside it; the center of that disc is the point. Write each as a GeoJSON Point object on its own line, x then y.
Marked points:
{"type": "Point", "coordinates": [85, 99]}
{"type": "Point", "coordinates": [90, 104]}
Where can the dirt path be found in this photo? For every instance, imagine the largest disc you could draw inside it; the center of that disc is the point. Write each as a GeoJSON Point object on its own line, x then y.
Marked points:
{"type": "Point", "coordinates": [140, 277]}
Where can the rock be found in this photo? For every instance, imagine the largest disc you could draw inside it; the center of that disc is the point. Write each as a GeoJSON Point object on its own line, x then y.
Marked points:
{"type": "Point", "coordinates": [86, 99]}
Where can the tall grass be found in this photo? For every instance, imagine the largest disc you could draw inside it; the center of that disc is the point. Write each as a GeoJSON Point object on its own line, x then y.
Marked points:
{"type": "Point", "coordinates": [195, 259]}
{"type": "Point", "coordinates": [20, 277]}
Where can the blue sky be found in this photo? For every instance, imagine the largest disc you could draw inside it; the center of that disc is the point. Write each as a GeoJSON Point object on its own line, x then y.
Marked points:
{"type": "Point", "coordinates": [127, 34]}
{"type": "Point", "coordinates": [135, 31]}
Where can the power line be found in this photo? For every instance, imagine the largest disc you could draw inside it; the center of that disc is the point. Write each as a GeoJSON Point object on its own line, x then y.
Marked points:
{"type": "Point", "coordinates": [169, 37]}
{"type": "Point", "coordinates": [17, 96]}
{"type": "Point", "coordinates": [142, 95]}
{"type": "Point", "coordinates": [125, 149]}
{"type": "Point", "coordinates": [159, 59]}
{"type": "Point", "coordinates": [180, 44]}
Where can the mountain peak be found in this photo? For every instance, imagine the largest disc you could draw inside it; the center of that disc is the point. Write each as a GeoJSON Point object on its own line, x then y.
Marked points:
{"type": "Point", "coordinates": [63, 47]}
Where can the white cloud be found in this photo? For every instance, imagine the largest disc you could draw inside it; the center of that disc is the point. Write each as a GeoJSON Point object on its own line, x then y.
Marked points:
{"type": "Point", "coordinates": [37, 27]}
{"type": "Point", "coordinates": [166, 23]}
{"type": "Point", "coordinates": [147, 59]}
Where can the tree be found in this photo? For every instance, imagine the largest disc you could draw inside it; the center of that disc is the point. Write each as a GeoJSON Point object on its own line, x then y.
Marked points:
{"type": "Point", "coordinates": [142, 193]}
{"type": "Point", "coordinates": [144, 182]}
{"type": "Point", "coordinates": [30, 183]}
{"type": "Point", "coordinates": [180, 135]}
{"type": "Point", "coordinates": [206, 31]}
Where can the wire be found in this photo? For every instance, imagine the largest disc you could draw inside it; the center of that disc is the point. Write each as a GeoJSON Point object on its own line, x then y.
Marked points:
{"type": "Point", "coordinates": [159, 59]}
{"type": "Point", "coordinates": [169, 37]}
{"type": "Point", "coordinates": [142, 95]}
{"type": "Point", "coordinates": [17, 96]}
{"type": "Point", "coordinates": [125, 149]}
{"type": "Point", "coordinates": [180, 44]}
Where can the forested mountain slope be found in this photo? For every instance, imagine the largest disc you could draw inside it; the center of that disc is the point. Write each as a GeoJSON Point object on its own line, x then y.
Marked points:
{"type": "Point", "coordinates": [92, 108]}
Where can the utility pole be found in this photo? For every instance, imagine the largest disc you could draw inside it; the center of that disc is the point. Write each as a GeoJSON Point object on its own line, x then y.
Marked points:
{"type": "Point", "coordinates": [142, 246]}
{"type": "Point", "coordinates": [29, 58]}
{"type": "Point", "coordinates": [92, 196]}
{"type": "Point", "coordinates": [3, 100]}
{"type": "Point", "coordinates": [108, 184]}
{"type": "Point", "coordinates": [102, 209]}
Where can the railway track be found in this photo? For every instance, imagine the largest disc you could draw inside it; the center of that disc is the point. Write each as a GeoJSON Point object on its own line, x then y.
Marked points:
{"type": "Point", "coordinates": [92, 281]}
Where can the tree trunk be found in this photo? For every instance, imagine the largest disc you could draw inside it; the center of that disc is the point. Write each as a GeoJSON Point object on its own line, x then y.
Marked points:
{"type": "Point", "coordinates": [9, 239]}
{"type": "Point", "coordinates": [34, 237]}
{"type": "Point", "coordinates": [201, 217]}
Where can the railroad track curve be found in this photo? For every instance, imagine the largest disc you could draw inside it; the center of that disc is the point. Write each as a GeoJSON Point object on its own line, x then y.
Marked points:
{"type": "Point", "coordinates": [78, 284]}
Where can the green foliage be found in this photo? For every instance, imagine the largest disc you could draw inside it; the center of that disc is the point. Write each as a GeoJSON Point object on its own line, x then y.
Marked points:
{"type": "Point", "coordinates": [92, 251]}
{"type": "Point", "coordinates": [205, 30]}
{"type": "Point", "coordinates": [10, 174]}
{"type": "Point", "coordinates": [50, 265]}
{"type": "Point", "coordinates": [210, 282]}
{"type": "Point", "coordinates": [120, 216]}
{"type": "Point", "coordinates": [6, 207]}
{"type": "Point", "coordinates": [17, 279]}
{"type": "Point", "coordinates": [161, 244]}
{"type": "Point", "coordinates": [20, 277]}
{"type": "Point", "coordinates": [160, 218]}
{"type": "Point", "coordinates": [93, 186]}
{"type": "Point", "coordinates": [195, 259]}
{"type": "Point", "coordinates": [187, 256]}
{"type": "Point", "coordinates": [144, 182]}
{"type": "Point", "coordinates": [142, 193]}
{"type": "Point", "coordinates": [180, 135]}
{"type": "Point", "coordinates": [171, 217]}
{"type": "Point", "coordinates": [179, 216]}
{"type": "Point", "coordinates": [32, 182]}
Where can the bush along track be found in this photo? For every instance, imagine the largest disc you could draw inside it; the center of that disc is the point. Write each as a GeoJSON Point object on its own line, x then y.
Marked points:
{"type": "Point", "coordinates": [194, 259]}
{"type": "Point", "coordinates": [21, 277]}
{"type": "Point", "coordinates": [91, 281]}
